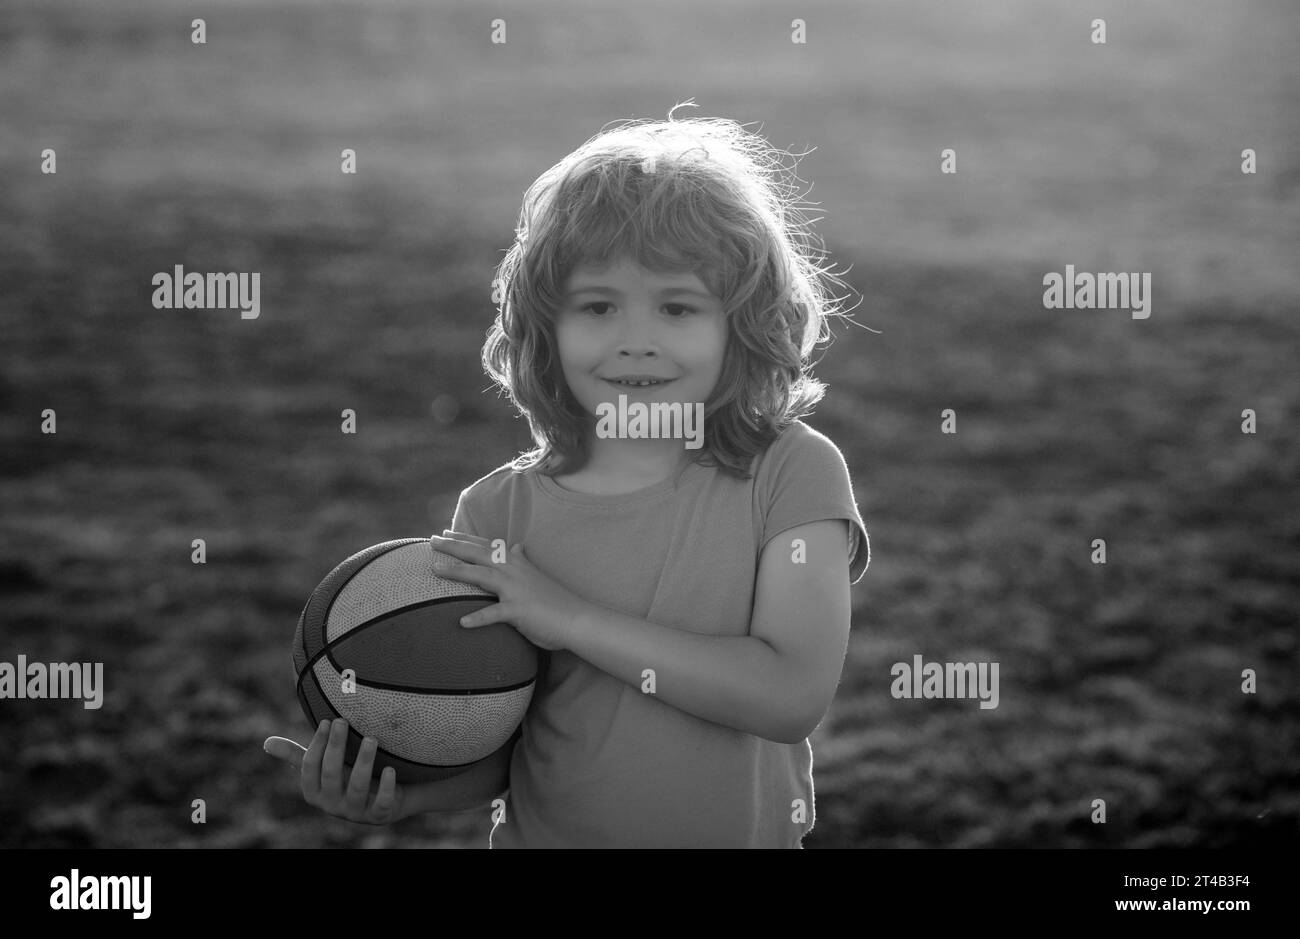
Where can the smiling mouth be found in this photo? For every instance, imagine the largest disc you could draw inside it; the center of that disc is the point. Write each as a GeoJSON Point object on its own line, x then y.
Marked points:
{"type": "Point", "coordinates": [638, 386]}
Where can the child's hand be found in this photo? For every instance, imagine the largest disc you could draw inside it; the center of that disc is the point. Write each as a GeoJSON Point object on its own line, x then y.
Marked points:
{"type": "Point", "coordinates": [321, 766]}
{"type": "Point", "coordinates": [543, 611]}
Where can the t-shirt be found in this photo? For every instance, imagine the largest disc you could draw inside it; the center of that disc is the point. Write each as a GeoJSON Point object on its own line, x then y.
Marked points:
{"type": "Point", "coordinates": [599, 762]}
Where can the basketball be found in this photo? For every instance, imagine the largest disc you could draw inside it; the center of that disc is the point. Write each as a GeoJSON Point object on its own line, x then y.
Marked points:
{"type": "Point", "coordinates": [380, 644]}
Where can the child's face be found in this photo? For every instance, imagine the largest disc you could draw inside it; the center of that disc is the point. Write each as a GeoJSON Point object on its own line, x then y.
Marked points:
{"type": "Point", "coordinates": [625, 320]}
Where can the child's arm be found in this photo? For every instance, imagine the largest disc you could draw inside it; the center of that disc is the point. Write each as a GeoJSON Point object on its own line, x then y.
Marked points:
{"type": "Point", "coordinates": [778, 681]}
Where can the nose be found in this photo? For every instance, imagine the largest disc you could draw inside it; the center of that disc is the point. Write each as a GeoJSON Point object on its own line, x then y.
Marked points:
{"type": "Point", "coordinates": [638, 336]}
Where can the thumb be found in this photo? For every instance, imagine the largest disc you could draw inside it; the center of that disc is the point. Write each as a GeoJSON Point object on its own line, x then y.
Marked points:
{"type": "Point", "coordinates": [284, 749]}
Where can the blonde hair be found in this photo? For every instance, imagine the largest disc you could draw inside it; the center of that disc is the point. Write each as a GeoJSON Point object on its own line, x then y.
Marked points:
{"type": "Point", "coordinates": [701, 195]}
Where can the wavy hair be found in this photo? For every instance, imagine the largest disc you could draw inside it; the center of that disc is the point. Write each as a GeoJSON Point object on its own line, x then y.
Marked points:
{"type": "Point", "coordinates": [701, 195]}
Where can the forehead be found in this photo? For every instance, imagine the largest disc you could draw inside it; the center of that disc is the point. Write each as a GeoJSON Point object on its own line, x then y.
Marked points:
{"type": "Point", "coordinates": [630, 271]}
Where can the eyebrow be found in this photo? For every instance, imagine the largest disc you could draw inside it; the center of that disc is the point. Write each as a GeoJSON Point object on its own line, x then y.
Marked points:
{"type": "Point", "coordinates": [666, 292]}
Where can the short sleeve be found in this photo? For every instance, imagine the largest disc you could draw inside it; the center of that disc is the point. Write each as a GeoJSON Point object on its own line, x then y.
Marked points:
{"type": "Point", "coordinates": [482, 507]}
{"type": "Point", "coordinates": [804, 478]}
{"type": "Point", "coordinates": [461, 519]}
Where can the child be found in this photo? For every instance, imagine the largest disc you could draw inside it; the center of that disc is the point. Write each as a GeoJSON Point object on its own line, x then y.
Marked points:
{"type": "Point", "coordinates": [693, 602]}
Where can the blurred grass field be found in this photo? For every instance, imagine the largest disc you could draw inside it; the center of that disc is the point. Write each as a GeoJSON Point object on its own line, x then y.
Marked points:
{"type": "Point", "coordinates": [1119, 682]}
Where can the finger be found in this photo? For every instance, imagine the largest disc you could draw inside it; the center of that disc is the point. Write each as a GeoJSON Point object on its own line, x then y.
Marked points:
{"type": "Point", "coordinates": [386, 798]}
{"type": "Point", "coordinates": [460, 550]}
{"type": "Point", "coordinates": [484, 575]}
{"type": "Point", "coordinates": [362, 770]}
{"type": "Point", "coordinates": [466, 536]}
{"type": "Point", "coordinates": [311, 763]}
{"type": "Point", "coordinates": [484, 617]}
{"type": "Point", "coordinates": [331, 767]}
{"type": "Point", "coordinates": [487, 546]}
{"type": "Point", "coordinates": [285, 749]}
{"type": "Point", "coordinates": [474, 574]}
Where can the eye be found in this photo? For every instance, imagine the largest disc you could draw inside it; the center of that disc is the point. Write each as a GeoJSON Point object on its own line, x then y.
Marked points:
{"type": "Point", "coordinates": [667, 306]}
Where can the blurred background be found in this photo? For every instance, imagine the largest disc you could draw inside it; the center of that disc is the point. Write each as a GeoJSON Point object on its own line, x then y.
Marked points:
{"type": "Point", "coordinates": [1120, 682]}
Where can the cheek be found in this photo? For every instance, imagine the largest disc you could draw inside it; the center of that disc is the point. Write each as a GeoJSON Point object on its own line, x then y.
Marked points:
{"type": "Point", "coordinates": [717, 346]}
{"type": "Point", "coordinates": [573, 345]}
